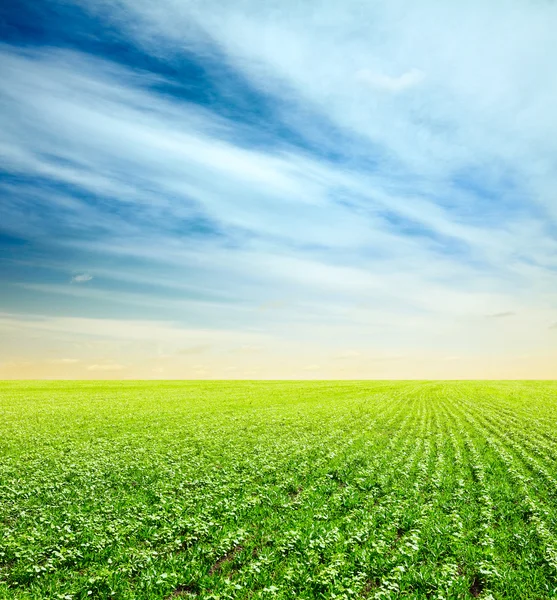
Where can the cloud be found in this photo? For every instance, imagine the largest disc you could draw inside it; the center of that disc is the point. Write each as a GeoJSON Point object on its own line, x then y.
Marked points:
{"type": "Point", "coordinates": [388, 170]}
{"type": "Point", "coordinates": [553, 326]}
{"type": "Point", "coordinates": [501, 315]}
{"type": "Point", "coordinates": [379, 81]}
{"type": "Point", "coordinates": [466, 111]}
{"type": "Point", "coordinates": [81, 278]}
{"type": "Point", "coordinates": [133, 330]}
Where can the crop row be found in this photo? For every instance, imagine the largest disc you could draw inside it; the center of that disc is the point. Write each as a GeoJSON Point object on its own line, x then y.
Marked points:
{"type": "Point", "coordinates": [279, 489]}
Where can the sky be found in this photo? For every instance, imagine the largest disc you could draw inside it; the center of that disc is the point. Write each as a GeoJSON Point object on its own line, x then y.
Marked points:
{"type": "Point", "coordinates": [260, 190]}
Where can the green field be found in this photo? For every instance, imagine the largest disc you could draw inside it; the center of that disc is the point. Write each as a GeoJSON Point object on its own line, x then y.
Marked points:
{"type": "Point", "coordinates": [278, 490]}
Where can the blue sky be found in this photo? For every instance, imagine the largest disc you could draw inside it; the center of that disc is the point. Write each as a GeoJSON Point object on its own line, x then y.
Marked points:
{"type": "Point", "coordinates": [281, 189]}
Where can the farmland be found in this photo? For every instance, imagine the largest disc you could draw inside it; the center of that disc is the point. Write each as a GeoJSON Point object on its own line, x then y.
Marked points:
{"type": "Point", "coordinates": [278, 490]}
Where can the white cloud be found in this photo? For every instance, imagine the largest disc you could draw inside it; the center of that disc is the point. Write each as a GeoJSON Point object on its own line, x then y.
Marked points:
{"type": "Point", "coordinates": [81, 278]}
{"type": "Point", "coordinates": [376, 246]}
{"type": "Point", "coordinates": [489, 66]}
{"type": "Point", "coordinates": [118, 329]}
{"type": "Point", "coordinates": [389, 83]}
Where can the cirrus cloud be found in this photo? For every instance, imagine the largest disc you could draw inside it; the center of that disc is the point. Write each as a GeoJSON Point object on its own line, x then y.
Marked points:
{"type": "Point", "coordinates": [81, 278]}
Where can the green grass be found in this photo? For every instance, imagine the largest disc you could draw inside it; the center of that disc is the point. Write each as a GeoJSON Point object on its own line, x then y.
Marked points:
{"type": "Point", "coordinates": [278, 490]}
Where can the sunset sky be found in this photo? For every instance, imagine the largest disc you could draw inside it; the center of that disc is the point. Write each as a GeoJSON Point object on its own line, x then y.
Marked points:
{"type": "Point", "coordinates": [247, 189]}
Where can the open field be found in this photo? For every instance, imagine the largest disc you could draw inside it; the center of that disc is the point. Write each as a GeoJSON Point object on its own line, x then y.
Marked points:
{"type": "Point", "coordinates": [278, 489]}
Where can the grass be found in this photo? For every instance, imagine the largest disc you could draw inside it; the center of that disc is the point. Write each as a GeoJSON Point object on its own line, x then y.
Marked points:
{"type": "Point", "coordinates": [278, 490]}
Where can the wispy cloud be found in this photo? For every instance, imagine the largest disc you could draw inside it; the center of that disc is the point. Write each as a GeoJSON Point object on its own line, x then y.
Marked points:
{"type": "Point", "coordinates": [389, 83]}
{"type": "Point", "coordinates": [81, 278]}
{"type": "Point", "coordinates": [386, 172]}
